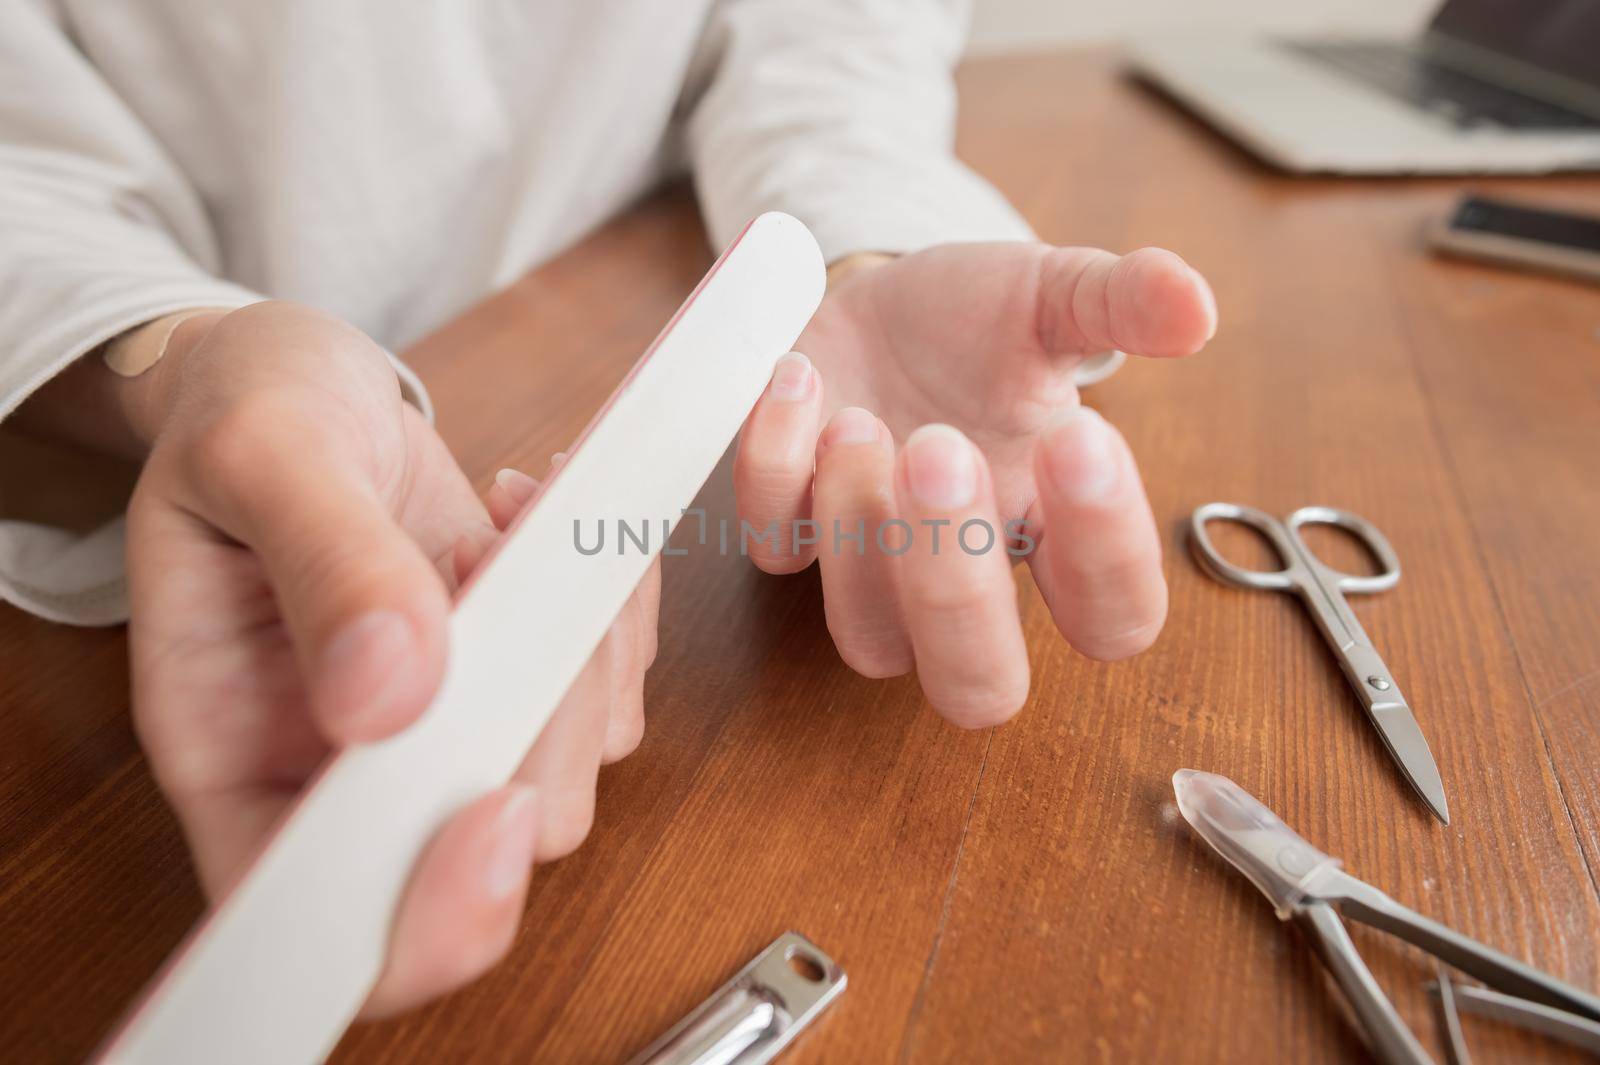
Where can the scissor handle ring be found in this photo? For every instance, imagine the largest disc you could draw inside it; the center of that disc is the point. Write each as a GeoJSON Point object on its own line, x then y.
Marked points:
{"type": "Point", "coordinates": [1274, 530]}
{"type": "Point", "coordinates": [1361, 529]}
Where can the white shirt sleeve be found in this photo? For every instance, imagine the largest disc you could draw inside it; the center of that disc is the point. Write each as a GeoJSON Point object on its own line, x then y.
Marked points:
{"type": "Point", "coordinates": [842, 113]}
{"type": "Point", "coordinates": [99, 232]}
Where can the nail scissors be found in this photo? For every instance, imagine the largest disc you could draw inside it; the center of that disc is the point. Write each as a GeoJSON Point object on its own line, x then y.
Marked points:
{"type": "Point", "coordinates": [1310, 887]}
{"type": "Point", "coordinates": [1323, 589]}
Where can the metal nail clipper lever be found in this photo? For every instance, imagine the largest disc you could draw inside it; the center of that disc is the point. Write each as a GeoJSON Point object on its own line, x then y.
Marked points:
{"type": "Point", "coordinates": [1454, 999]}
{"type": "Point", "coordinates": [1309, 887]}
{"type": "Point", "coordinates": [750, 1019]}
{"type": "Point", "coordinates": [1323, 589]}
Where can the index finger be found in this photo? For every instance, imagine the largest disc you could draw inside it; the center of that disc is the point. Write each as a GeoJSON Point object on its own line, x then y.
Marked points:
{"type": "Point", "coordinates": [773, 468]}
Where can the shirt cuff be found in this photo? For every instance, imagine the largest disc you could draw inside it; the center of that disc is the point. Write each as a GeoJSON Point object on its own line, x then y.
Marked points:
{"type": "Point", "coordinates": [895, 209]}
{"type": "Point", "coordinates": [946, 204]}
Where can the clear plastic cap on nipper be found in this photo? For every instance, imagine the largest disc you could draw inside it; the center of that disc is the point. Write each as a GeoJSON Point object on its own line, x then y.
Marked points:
{"type": "Point", "coordinates": [1251, 837]}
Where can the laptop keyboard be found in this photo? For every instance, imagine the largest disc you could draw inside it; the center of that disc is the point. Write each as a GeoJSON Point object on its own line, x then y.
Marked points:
{"type": "Point", "coordinates": [1403, 71]}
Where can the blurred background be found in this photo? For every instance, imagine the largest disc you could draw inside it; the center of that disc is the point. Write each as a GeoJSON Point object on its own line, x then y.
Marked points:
{"type": "Point", "coordinates": [1014, 25]}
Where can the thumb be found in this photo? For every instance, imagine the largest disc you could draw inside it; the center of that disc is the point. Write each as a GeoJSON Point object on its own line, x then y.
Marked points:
{"type": "Point", "coordinates": [1149, 302]}
{"type": "Point", "coordinates": [365, 608]}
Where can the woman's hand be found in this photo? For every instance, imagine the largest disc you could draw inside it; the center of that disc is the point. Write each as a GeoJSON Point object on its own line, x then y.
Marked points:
{"type": "Point", "coordinates": [293, 545]}
{"type": "Point", "coordinates": [965, 354]}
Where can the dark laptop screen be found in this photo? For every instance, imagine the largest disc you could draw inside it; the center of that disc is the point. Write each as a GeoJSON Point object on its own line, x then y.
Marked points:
{"type": "Point", "coordinates": [1561, 36]}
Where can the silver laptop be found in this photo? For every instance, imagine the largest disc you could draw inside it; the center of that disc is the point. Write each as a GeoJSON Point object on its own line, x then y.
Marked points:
{"type": "Point", "coordinates": [1492, 86]}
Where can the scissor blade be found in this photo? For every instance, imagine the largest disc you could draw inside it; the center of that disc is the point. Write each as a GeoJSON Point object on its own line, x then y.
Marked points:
{"type": "Point", "coordinates": [1405, 742]}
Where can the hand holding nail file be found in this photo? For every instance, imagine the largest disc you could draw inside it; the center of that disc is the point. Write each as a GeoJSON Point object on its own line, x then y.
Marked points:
{"type": "Point", "coordinates": [285, 961]}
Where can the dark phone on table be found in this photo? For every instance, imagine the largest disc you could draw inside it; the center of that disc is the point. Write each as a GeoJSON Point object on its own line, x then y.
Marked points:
{"type": "Point", "coordinates": [1535, 238]}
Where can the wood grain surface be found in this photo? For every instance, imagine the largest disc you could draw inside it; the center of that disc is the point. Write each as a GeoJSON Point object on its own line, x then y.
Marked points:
{"type": "Point", "coordinates": [1025, 893]}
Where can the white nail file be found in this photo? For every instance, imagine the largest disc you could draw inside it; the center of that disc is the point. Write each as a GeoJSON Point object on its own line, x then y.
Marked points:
{"type": "Point", "coordinates": [278, 970]}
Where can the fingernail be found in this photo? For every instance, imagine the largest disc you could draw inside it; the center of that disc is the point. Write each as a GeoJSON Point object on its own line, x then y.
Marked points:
{"type": "Point", "coordinates": [941, 467]}
{"type": "Point", "coordinates": [853, 425]}
{"type": "Point", "coordinates": [364, 662]}
{"type": "Point", "coordinates": [791, 379]}
{"type": "Point", "coordinates": [516, 829]}
{"type": "Point", "coordinates": [1081, 457]}
{"type": "Point", "coordinates": [1211, 302]}
{"type": "Point", "coordinates": [519, 484]}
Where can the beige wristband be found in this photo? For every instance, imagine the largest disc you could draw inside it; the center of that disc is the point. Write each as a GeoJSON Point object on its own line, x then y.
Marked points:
{"type": "Point", "coordinates": [133, 352]}
{"type": "Point", "coordinates": [854, 263]}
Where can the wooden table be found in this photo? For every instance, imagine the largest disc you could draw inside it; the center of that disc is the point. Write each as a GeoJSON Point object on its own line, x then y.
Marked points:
{"type": "Point", "coordinates": [1025, 893]}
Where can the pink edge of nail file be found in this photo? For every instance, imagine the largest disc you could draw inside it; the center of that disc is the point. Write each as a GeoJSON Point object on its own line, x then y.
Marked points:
{"type": "Point", "coordinates": [278, 970]}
